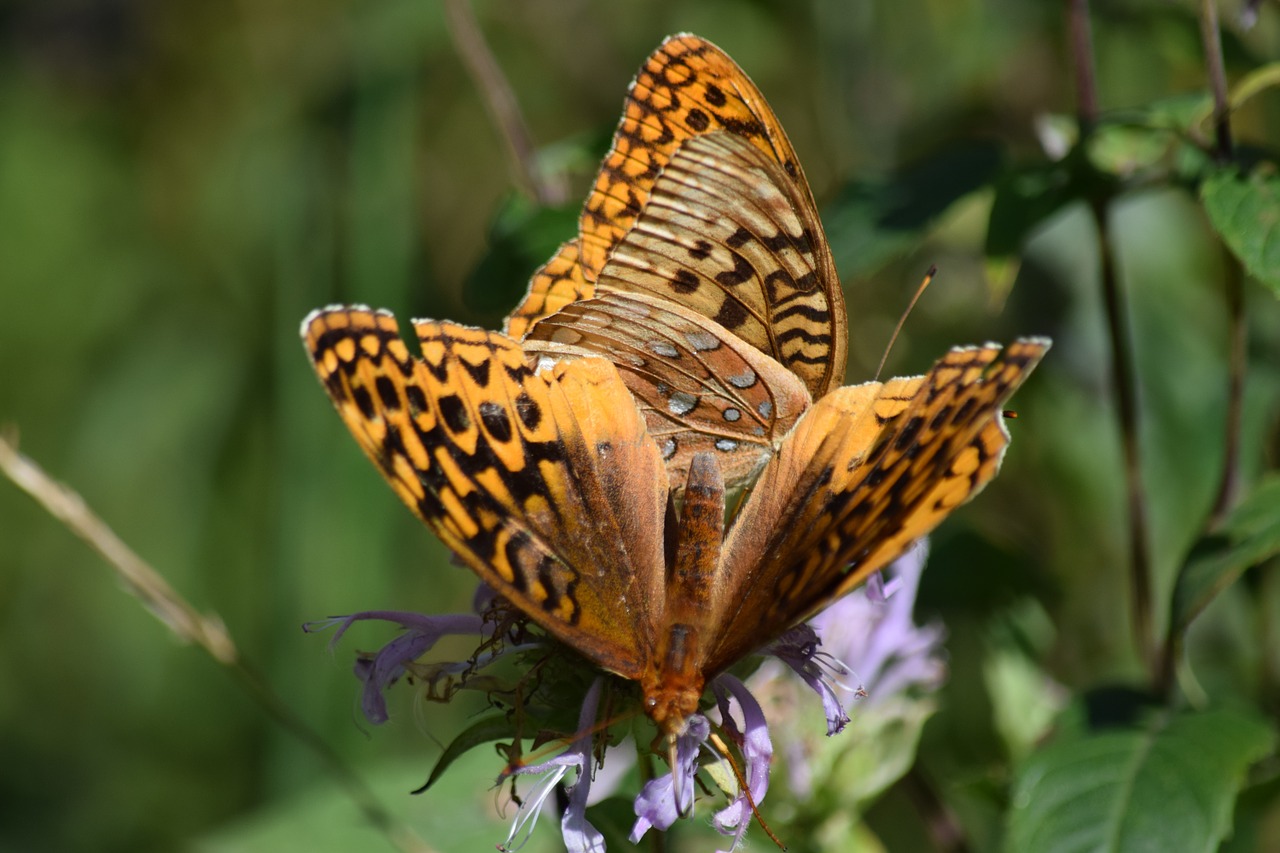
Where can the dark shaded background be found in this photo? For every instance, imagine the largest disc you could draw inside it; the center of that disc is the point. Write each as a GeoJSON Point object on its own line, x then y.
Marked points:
{"type": "Point", "coordinates": [181, 182]}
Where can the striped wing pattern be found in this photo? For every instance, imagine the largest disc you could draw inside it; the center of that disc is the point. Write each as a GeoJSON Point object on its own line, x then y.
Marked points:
{"type": "Point", "coordinates": [867, 471]}
{"type": "Point", "coordinates": [699, 147]}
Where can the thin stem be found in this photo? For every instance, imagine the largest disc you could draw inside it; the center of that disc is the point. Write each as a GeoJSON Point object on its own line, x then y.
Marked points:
{"type": "Point", "coordinates": [1081, 36]}
{"type": "Point", "coordinates": [190, 626]}
{"type": "Point", "coordinates": [1237, 361]}
{"type": "Point", "coordinates": [501, 102]}
{"type": "Point", "coordinates": [1211, 38]}
{"type": "Point", "coordinates": [1122, 369]}
{"type": "Point", "coordinates": [1233, 285]}
{"type": "Point", "coordinates": [1126, 394]}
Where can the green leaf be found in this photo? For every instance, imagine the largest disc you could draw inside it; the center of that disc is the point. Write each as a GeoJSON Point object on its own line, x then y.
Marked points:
{"type": "Point", "coordinates": [485, 730]}
{"type": "Point", "coordinates": [466, 814]}
{"type": "Point", "coordinates": [1178, 112]}
{"type": "Point", "coordinates": [872, 221]}
{"type": "Point", "coordinates": [1126, 149]}
{"type": "Point", "coordinates": [1024, 199]}
{"type": "Point", "coordinates": [1169, 785]}
{"type": "Point", "coordinates": [1250, 535]}
{"type": "Point", "coordinates": [1245, 211]}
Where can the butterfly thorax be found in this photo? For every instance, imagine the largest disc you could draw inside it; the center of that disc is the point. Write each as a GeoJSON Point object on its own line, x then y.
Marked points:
{"type": "Point", "coordinates": [671, 696]}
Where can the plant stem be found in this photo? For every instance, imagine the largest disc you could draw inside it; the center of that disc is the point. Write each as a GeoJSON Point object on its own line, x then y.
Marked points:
{"type": "Point", "coordinates": [1233, 284]}
{"type": "Point", "coordinates": [1081, 36]}
{"type": "Point", "coordinates": [1126, 395]}
{"type": "Point", "coordinates": [1211, 38]}
{"type": "Point", "coordinates": [1123, 374]}
{"type": "Point", "coordinates": [504, 109]}
{"type": "Point", "coordinates": [1237, 360]}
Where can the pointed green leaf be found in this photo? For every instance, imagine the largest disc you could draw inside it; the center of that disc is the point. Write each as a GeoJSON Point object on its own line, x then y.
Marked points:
{"type": "Point", "coordinates": [485, 730]}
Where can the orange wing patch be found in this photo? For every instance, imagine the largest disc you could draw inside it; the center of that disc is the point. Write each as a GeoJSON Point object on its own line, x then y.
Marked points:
{"type": "Point", "coordinates": [519, 472]}
{"type": "Point", "coordinates": [867, 471]}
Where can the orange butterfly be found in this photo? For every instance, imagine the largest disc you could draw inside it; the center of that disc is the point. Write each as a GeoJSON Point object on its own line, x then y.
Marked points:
{"type": "Point", "coordinates": [692, 337]}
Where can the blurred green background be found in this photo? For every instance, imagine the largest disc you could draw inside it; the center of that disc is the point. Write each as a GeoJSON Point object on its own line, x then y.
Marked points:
{"type": "Point", "coordinates": [181, 182]}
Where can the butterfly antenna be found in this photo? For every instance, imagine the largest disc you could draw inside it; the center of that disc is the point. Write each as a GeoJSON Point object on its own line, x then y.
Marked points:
{"type": "Point", "coordinates": [928, 277]}
{"type": "Point", "coordinates": [723, 749]}
{"type": "Point", "coordinates": [557, 743]}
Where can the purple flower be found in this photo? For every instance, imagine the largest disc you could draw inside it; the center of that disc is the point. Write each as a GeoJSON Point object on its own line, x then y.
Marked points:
{"type": "Point", "coordinates": [579, 835]}
{"type": "Point", "coordinates": [798, 649]}
{"type": "Point", "coordinates": [656, 804]}
{"type": "Point", "coordinates": [867, 638]}
{"type": "Point", "coordinates": [870, 630]}
{"type": "Point", "coordinates": [383, 669]}
{"type": "Point", "coordinates": [752, 739]}
{"type": "Point", "coordinates": [874, 632]}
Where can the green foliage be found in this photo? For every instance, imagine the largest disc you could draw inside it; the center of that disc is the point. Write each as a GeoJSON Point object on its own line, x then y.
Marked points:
{"type": "Point", "coordinates": [1247, 539]}
{"type": "Point", "coordinates": [1245, 210]}
{"type": "Point", "coordinates": [1168, 784]}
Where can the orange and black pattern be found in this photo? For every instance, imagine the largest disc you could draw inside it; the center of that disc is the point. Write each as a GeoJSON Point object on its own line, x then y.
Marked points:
{"type": "Point", "coordinates": [689, 342]}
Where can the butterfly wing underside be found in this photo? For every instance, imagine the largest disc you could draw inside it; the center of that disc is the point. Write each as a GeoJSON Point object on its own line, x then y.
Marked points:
{"type": "Point", "coordinates": [726, 234]}
{"type": "Point", "coordinates": [688, 90]}
{"type": "Point", "coordinates": [700, 387]}
{"type": "Point", "coordinates": [867, 471]}
{"type": "Point", "coordinates": [545, 484]}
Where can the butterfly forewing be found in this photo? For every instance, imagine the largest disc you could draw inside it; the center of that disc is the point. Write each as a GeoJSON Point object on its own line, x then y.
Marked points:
{"type": "Point", "coordinates": [687, 90]}
{"type": "Point", "coordinates": [676, 344]}
{"type": "Point", "coordinates": [546, 484]}
{"type": "Point", "coordinates": [701, 388]}
{"type": "Point", "coordinates": [557, 283]}
{"type": "Point", "coordinates": [867, 471]}
{"type": "Point", "coordinates": [725, 234]}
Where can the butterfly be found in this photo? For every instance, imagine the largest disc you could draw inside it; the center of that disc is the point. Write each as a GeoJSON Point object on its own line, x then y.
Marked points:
{"type": "Point", "coordinates": [579, 462]}
{"type": "Point", "coordinates": [701, 205]}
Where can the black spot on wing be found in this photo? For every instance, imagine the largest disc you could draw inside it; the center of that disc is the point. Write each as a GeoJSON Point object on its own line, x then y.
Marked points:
{"type": "Point", "coordinates": [529, 412]}
{"type": "Point", "coordinates": [454, 413]}
{"type": "Point", "coordinates": [478, 372]}
{"type": "Point", "coordinates": [387, 393]}
{"type": "Point", "coordinates": [364, 401]}
{"type": "Point", "coordinates": [684, 281]}
{"type": "Point", "coordinates": [496, 421]}
{"type": "Point", "coordinates": [417, 399]}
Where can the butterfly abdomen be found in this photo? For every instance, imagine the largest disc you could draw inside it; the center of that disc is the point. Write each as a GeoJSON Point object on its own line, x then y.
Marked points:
{"type": "Point", "coordinates": [674, 686]}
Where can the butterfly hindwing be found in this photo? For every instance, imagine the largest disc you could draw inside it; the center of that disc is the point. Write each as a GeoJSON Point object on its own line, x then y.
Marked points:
{"type": "Point", "coordinates": [556, 283]}
{"type": "Point", "coordinates": [545, 483]}
{"type": "Point", "coordinates": [700, 387]}
{"type": "Point", "coordinates": [686, 88]}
